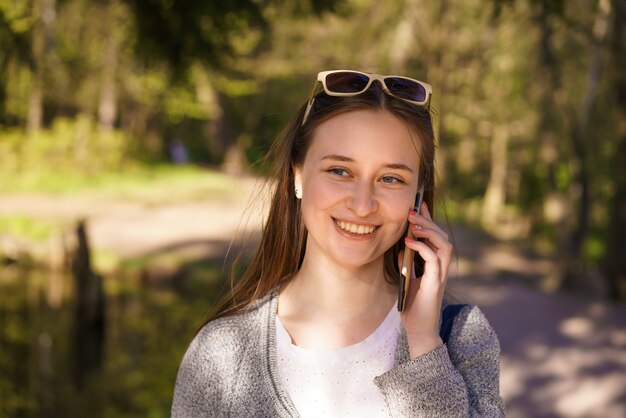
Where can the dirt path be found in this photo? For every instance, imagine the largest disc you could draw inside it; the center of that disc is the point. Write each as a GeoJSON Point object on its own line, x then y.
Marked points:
{"type": "Point", "coordinates": [134, 229]}
{"type": "Point", "coordinates": [562, 355]}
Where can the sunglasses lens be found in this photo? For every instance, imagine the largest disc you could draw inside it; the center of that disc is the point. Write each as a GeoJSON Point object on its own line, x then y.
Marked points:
{"type": "Point", "coordinates": [406, 89]}
{"type": "Point", "coordinates": [346, 82]}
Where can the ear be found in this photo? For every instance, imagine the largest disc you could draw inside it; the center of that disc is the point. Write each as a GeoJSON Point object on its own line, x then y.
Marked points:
{"type": "Point", "coordinates": [297, 177]}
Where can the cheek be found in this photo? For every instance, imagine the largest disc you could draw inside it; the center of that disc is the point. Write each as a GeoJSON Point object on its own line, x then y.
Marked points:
{"type": "Point", "coordinates": [398, 213]}
{"type": "Point", "coordinates": [316, 200]}
{"type": "Point", "coordinates": [322, 194]}
{"type": "Point", "coordinates": [399, 204]}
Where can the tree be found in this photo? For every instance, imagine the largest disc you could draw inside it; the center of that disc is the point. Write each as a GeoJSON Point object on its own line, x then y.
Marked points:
{"type": "Point", "coordinates": [15, 27]}
{"type": "Point", "coordinates": [615, 262]}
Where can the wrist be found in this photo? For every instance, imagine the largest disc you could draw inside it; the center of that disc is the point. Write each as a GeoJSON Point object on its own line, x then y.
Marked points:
{"type": "Point", "coordinates": [420, 344]}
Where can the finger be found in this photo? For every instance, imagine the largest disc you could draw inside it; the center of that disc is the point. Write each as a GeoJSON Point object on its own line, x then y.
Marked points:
{"type": "Point", "coordinates": [442, 247]}
{"type": "Point", "coordinates": [425, 212]}
{"type": "Point", "coordinates": [432, 283]}
{"type": "Point", "coordinates": [435, 237]}
{"type": "Point", "coordinates": [432, 262]}
{"type": "Point", "coordinates": [435, 266]}
{"type": "Point", "coordinates": [422, 220]}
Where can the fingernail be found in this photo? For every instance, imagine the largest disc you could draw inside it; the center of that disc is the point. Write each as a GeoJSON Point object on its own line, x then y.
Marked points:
{"type": "Point", "coordinates": [413, 212]}
{"type": "Point", "coordinates": [407, 239]}
{"type": "Point", "coordinates": [416, 227]}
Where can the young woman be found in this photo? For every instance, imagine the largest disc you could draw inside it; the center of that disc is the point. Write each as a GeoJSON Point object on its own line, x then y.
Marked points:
{"type": "Point", "coordinates": [312, 328]}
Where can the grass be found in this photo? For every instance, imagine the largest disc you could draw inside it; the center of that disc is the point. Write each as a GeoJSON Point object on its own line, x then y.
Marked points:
{"type": "Point", "coordinates": [149, 184]}
{"type": "Point", "coordinates": [28, 228]}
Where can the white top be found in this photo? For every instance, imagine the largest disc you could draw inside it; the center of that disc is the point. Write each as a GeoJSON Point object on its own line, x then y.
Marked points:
{"type": "Point", "coordinates": [338, 382]}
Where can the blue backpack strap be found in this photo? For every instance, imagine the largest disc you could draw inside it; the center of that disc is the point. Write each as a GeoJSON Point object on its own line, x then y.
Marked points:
{"type": "Point", "coordinates": [447, 320]}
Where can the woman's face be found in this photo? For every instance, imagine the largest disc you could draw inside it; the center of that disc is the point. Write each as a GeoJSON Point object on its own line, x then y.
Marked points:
{"type": "Point", "coordinates": [358, 182]}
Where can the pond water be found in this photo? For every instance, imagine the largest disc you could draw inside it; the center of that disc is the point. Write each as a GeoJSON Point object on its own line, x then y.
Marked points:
{"type": "Point", "coordinates": [52, 364]}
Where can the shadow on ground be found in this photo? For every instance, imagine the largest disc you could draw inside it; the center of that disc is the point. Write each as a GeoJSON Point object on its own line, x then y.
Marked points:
{"type": "Point", "coordinates": [563, 355]}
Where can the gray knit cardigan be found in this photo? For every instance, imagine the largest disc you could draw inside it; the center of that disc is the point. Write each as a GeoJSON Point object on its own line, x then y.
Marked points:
{"type": "Point", "coordinates": [230, 370]}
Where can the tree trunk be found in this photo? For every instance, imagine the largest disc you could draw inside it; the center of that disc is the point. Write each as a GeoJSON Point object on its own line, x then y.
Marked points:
{"type": "Point", "coordinates": [556, 205]}
{"type": "Point", "coordinates": [615, 261]}
{"type": "Point", "coordinates": [404, 38]}
{"type": "Point", "coordinates": [35, 100]}
{"type": "Point", "coordinates": [235, 162]}
{"type": "Point", "coordinates": [214, 128]}
{"type": "Point", "coordinates": [107, 107]}
{"type": "Point", "coordinates": [440, 75]}
{"type": "Point", "coordinates": [4, 69]}
{"type": "Point", "coordinates": [569, 262]}
{"type": "Point", "coordinates": [495, 195]}
{"type": "Point", "coordinates": [89, 314]}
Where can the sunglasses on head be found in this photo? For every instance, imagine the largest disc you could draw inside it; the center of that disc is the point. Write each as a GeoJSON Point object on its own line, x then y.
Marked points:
{"type": "Point", "coordinates": [343, 83]}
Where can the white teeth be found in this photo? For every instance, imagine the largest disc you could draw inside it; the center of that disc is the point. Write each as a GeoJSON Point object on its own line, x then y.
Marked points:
{"type": "Point", "coordinates": [356, 229]}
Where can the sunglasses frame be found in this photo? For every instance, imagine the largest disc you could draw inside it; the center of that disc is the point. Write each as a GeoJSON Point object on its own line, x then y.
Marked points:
{"type": "Point", "coordinates": [321, 78]}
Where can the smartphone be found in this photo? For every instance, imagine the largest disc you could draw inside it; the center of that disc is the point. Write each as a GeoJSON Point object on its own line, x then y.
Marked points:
{"type": "Point", "coordinates": [407, 259]}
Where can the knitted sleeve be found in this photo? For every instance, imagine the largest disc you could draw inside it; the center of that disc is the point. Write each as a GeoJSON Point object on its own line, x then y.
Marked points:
{"type": "Point", "coordinates": [196, 393]}
{"type": "Point", "coordinates": [459, 379]}
{"type": "Point", "coordinates": [223, 372]}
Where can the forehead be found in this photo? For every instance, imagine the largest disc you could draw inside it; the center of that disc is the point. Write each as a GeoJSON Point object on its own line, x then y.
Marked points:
{"type": "Point", "coordinates": [366, 136]}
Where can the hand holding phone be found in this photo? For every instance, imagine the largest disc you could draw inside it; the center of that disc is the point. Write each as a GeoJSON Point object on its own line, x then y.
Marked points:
{"type": "Point", "coordinates": [407, 259]}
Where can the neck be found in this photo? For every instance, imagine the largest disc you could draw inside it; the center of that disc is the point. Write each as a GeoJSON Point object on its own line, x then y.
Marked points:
{"type": "Point", "coordinates": [340, 288]}
{"type": "Point", "coordinates": [323, 291]}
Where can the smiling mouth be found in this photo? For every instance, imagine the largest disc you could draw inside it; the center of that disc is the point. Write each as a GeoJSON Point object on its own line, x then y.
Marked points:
{"type": "Point", "coordinates": [354, 228]}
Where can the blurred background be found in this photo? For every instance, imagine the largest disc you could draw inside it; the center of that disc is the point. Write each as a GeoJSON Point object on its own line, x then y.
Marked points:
{"type": "Point", "coordinates": [132, 134]}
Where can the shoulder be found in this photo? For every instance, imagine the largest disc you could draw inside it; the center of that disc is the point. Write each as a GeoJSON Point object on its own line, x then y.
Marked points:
{"type": "Point", "coordinates": [209, 367]}
{"type": "Point", "coordinates": [472, 335]}
{"type": "Point", "coordinates": [226, 335]}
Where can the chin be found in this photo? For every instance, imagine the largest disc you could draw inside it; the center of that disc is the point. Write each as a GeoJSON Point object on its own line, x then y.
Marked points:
{"type": "Point", "coordinates": [356, 260]}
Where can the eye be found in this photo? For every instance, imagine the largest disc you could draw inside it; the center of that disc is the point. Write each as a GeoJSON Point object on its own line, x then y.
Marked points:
{"type": "Point", "coordinates": [338, 171]}
{"type": "Point", "coordinates": [391, 180]}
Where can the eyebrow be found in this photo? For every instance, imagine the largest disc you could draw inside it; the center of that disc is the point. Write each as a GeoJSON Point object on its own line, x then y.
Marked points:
{"type": "Point", "coordinates": [396, 166]}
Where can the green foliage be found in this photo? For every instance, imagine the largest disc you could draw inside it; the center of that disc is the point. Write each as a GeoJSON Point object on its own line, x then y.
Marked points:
{"type": "Point", "coordinates": [70, 147]}
{"type": "Point", "coordinates": [224, 76]}
{"type": "Point", "coordinates": [23, 226]}
{"type": "Point", "coordinates": [42, 372]}
{"type": "Point", "coordinates": [16, 15]}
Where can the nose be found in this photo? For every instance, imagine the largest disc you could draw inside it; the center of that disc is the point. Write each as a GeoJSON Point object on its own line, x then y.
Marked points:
{"type": "Point", "coordinates": [362, 201]}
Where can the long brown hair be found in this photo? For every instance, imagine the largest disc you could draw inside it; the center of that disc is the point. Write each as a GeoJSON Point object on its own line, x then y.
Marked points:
{"type": "Point", "coordinates": [281, 250]}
